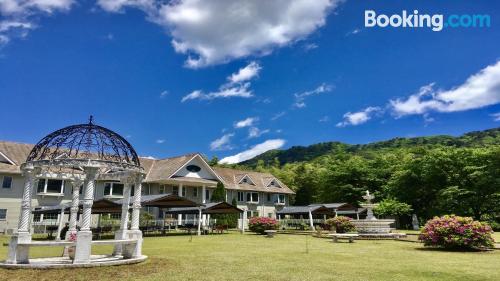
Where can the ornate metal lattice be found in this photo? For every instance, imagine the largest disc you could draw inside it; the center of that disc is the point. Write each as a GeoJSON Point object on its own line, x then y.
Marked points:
{"type": "Point", "coordinates": [84, 142]}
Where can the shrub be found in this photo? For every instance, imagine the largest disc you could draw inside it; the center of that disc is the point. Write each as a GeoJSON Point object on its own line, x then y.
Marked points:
{"type": "Point", "coordinates": [456, 232]}
{"type": "Point", "coordinates": [341, 224]}
{"type": "Point", "coordinates": [261, 224]}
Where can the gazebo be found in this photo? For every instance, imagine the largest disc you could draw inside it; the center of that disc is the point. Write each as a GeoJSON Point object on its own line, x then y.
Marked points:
{"type": "Point", "coordinates": [80, 154]}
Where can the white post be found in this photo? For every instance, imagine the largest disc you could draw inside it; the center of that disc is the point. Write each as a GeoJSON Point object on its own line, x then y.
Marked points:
{"type": "Point", "coordinates": [179, 216]}
{"type": "Point", "coordinates": [84, 236]}
{"type": "Point", "coordinates": [199, 221]}
{"type": "Point", "coordinates": [135, 250]}
{"type": "Point", "coordinates": [20, 254]}
{"type": "Point", "coordinates": [121, 234]}
{"type": "Point", "coordinates": [75, 201]}
{"type": "Point", "coordinates": [311, 223]}
{"type": "Point", "coordinates": [203, 194]}
{"type": "Point", "coordinates": [243, 221]}
{"type": "Point", "coordinates": [61, 221]}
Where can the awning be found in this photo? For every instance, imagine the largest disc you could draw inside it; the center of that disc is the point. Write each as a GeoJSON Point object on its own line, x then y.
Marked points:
{"type": "Point", "coordinates": [163, 201]}
{"type": "Point", "coordinates": [304, 210]}
{"type": "Point", "coordinates": [209, 208]}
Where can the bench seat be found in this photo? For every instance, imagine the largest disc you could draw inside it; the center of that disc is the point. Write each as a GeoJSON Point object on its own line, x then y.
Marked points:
{"type": "Point", "coordinates": [114, 242]}
{"type": "Point", "coordinates": [47, 243]}
{"type": "Point", "coordinates": [349, 236]}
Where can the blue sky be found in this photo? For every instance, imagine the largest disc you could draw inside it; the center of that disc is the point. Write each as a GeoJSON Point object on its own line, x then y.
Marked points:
{"type": "Point", "coordinates": [293, 72]}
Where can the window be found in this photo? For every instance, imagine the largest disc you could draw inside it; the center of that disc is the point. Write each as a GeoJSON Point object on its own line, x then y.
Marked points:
{"type": "Point", "coordinates": [50, 186]}
{"type": "Point", "coordinates": [207, 195]}
{"type": "Point", "coordinates": [253, 197]}
{"type": "Point", "coordinates": [161, 189]}
{"type": "Point", "coordinates": [7, 182]}
{"type": "Point", "coordinates": [183, 192]}
{"type": "Point", "coordinates": [240, 196]}
{"type": "Point", "coordinates": [113, 189]}
{"type": "Point", "coordinates": [3, 214]}
{"type": "Point", "coordinates": [49, 217]}
{"type": "Point", "coordinates": [280, 198]}
{"type": "Point", "coordinates": [268, 197]}
{"type": "Point", "coordinates": [195, 192]}
{"type": "Point", "coordinates": [273, 183]}
{"type": "Point", "coordinates": [175, 190]}
{"type": "Point", "coordinates": [193, 168]}
{"type": "Point", "coordinates": [37, 217]}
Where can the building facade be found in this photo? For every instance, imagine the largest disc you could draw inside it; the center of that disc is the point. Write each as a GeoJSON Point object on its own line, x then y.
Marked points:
{"type": "Point", "coordinates": [190, 176]}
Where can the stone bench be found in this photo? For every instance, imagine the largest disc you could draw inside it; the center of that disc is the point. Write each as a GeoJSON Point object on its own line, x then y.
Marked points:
{"type": "Point", "coordinates": [46, 243]}
{"type": "Point", "coordinates": [270, 233]}
{"type": "Point", "coordinates": [337, 236]}
{"type": "Point", "coordinates": [114, 242]}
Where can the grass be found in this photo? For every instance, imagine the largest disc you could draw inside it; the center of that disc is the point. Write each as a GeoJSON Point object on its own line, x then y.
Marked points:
{"type": "Point", "coordinates": [285, 257]}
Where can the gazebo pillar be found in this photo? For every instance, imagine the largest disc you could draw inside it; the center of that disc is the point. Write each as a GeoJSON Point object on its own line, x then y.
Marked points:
{"type": "Point", "coordinates": [73, 211]}
{"type": "Point", "coordinates": [84, 236]}
{"type": "Point", "coordinates": [311, 222]}
{"type": "Point", "coordinates": [122, 232]}
{"type": "Point", "coordinates": [135, 250]}
{"type": "Point", "coordinates": [20, 254]}
{"type": "Point", "coordinates": [60, 223]}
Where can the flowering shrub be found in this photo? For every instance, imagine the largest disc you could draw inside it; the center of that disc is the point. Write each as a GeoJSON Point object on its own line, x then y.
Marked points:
{"type": "Point", "coordinates": [261, 224]}
{"type": "Point", "coordinates": [341, 224]}
{"type": "Point", "coordinates": [72, 237]}
{"type": "Point", "coordinates": [456, 232]}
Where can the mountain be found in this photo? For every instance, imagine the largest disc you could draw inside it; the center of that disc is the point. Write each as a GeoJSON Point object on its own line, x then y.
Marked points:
{"type": "Point", "coordinates": [307, 153]}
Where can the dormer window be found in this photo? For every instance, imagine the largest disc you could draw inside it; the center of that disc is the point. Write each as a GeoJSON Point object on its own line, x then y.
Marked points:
{"type": "Point", "coordinates": [246, 180]}
{"type": "Point", "coordinates": [193, 168]}
{"type": "Point", "coordinates": [273, 183]}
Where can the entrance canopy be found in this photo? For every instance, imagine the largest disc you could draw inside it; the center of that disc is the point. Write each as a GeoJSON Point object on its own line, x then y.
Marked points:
{"type": "Point", "coordinates": [304, 210]}
{"type": "Point", "coordinates": [209, 208]}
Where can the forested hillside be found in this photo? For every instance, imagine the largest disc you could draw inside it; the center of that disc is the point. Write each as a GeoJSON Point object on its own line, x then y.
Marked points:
{"type": "Point", "coordinates": [431, 175]}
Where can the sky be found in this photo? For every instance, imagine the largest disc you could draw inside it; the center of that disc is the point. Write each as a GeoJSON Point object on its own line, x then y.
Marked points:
{"type": "Point", "coordinates": [234, 79]}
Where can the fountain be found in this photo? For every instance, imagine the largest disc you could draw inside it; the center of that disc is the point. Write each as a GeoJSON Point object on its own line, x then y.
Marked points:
{"type": "Point", "coordinates": [371, 226]}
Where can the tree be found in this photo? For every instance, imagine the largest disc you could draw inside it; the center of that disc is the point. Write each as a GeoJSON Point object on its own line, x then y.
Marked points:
{"type": "Point", "coordinates": [219, 194]}
{"type": "Point", "coordinates": [392, 208]}
{"type": "Point", "coordinates": [214, 161]}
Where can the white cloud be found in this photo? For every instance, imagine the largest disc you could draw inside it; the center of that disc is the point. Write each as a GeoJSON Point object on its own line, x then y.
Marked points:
{"type": "Point", "coordinates": [300, 97]}
{"type": "Point", "coordinates": [496, 116]}
{"type": "Point", "coordinates": [254, 151]}
{"type": "Point", "coordinates": [160, 141]}
{"type": "Point", "coordinates": [246, 122]}
{"type": "Point", "coordinates": [278, 115]}
{"type": "Point", "coordinates": [310, 46]}
{"type": "Point", "coordinates": [148, 157]}
{"type": "Point", "coordinates": [118, 5]}
{"type": "Point", "coordinates": [241, 91]}
{"type": "Point", "coordinates": [17, 17]}
{"type": "Point", "coordinates": [214, 31]}
{"type": "Point", "coordinates": [355, 31]}
{"type": "Point", "coordinates": [164, 94]}
{"type": "Point", "coordinates": [360, 117]}
{"type": "Point", "coordinates": [479, 90]}
{"type": "Point", "coordinates": [324, 119]}
{"type": "Point", "coordinates": [222, 143]}
{"type": "Point", "coordinates": [246, 73]}
{"type": "Point", "coordinates": [255, 132]}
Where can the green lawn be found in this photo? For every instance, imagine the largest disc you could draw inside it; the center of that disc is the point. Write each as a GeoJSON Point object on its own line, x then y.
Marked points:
{"type": "Point", "coordinates": [252, 257]}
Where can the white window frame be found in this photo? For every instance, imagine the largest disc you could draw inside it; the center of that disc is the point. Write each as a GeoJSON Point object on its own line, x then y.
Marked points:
{"type": "Point", "coordinates": [161, 189]}
{"type": "Point", "coordinates": [111, 195]}
{"type": "Point", "coordinates": [3, 181]}
{"type": "Point", "coordinates": [5, 215]}
{"type": "Point", "coordinates": [279, 197]}
{"type": "Point", "coordinates": [242, 198]}
{"type": "Point", "coordinates": [251, 197]}
{"type": "Point", "coordinates": [44, 192]}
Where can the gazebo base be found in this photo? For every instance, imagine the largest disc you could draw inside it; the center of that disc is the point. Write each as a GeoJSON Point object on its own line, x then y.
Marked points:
{"type": "Point", "coordinates": [64, 262]}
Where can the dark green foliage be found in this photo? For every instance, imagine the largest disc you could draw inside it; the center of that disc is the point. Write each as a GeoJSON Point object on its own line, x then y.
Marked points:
{"type": "Point", "coordinates": [219, 194]}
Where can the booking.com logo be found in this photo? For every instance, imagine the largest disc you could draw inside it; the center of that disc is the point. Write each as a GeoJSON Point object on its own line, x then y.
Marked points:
{"type": "Point", "coordinates": [415, 20]}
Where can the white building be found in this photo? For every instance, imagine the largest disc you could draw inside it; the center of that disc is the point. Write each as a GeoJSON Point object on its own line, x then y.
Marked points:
{"type": "Point", "coordinates": [260, 194]}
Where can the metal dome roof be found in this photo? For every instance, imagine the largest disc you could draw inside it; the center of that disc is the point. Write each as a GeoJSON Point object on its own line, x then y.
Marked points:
{"type": "Point", "coordinates": [84, 142]}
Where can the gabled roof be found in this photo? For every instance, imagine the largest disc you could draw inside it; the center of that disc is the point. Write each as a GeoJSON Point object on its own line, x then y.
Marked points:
{"type": "Point", "coordinates": [230, 180]}
{"type": "Point", "coordinates": [303, 210]}
{"type": "Point", "coordinates": [15, 152]}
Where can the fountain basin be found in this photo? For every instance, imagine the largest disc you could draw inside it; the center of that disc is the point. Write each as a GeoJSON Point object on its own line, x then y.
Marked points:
{"type": "Point", "coordinates": [373, 226]}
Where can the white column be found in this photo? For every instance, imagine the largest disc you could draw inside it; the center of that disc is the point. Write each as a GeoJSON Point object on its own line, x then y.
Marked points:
{"type": "Point", "coordinates": [243, 221]}
{"type": "Point", "coordinates": [179, 216]}
{"type": "Point", "coordinates": [121, 234]}
{"type": "Point", "coordinates": [29, 183]}
{"type": "Point", "coordinates": [311, 223]}
{"type": "Point", "coordinates": [199, 221]}
{"type": "Point", "coordinates": [20, 254]}
{"type": "Point", "coordinates": [136, 205]}
{"type": "Point", "coordinates": [203, 194]}
{"type": "Point", "coordinates": [75, 201]}
{"type": "Point", "coordinates": [61, 221]}
{"type": "Point", "coordinates": [84, 236]}
{"type": "Point", "coordinates": [135, 250]}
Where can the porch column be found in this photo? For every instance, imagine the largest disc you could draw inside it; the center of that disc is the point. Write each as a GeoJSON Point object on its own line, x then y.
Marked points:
{"type": "Point", "coordinates": [121, 234]}
{"type": "Point", "coordinates": [199, 221]}
{"type": "Point", "coordinates": [18, 254]}
{"type": "Point", "coordinates": [243, 220]}
{"type": "Point", "coordinates": [179, 216]}
{"type": "Point", "coordinates": [75, 201]}
{"type": "Point", "coordinates": [135, 250]}
{"type": "Point", "coordinates": [203, 194]}
{"type": "Point", "coordinates": [60, 225]}
{"type": "Point", "coordinates": [84, 236]}
{"type": "Point", "coordinates": [311, 222]}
